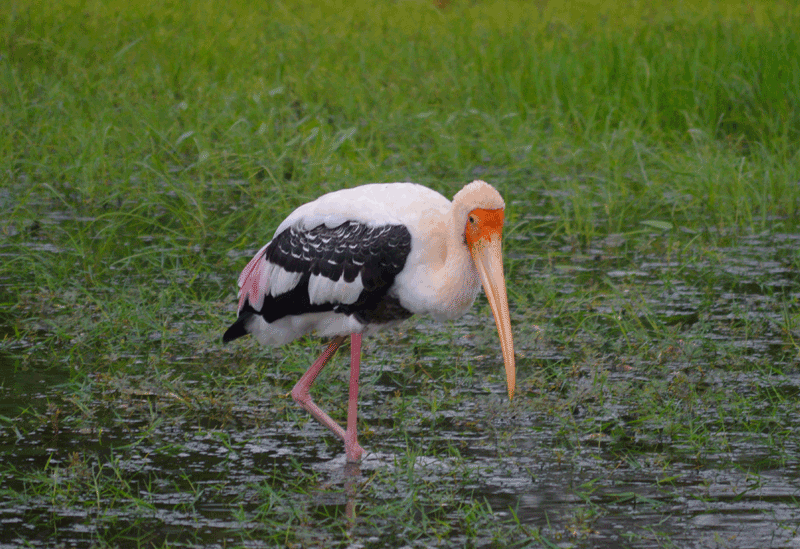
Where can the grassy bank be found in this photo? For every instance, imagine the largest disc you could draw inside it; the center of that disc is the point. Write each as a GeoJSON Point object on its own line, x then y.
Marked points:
{"type": "Point", "coordinates": [636, 99]}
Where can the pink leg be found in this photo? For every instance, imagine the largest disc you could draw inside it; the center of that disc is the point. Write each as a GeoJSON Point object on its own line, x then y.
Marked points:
{"type": "Point", "coordinates": [351, 447]}
{"type": "Point", "coordinates": [303, 398]}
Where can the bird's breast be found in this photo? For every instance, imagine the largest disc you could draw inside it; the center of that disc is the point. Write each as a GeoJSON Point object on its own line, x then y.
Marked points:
{"type": "Point", "coordinates": [443, 289]}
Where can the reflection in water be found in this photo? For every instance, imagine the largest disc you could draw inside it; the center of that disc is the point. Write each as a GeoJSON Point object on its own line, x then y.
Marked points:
{"type": "Point", "coordinates": [352, 475]}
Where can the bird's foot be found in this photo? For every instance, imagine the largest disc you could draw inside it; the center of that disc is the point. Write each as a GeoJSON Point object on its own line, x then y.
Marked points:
{"type": "Point", "coordinates": [354, 452]}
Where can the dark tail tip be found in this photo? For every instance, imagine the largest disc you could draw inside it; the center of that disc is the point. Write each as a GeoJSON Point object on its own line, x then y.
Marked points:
{"type": "Point", "coordinates": [238, 328]}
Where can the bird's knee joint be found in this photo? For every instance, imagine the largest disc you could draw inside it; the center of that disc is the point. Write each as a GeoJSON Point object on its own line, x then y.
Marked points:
{"type": "Point", "coordinates": [301, 397]}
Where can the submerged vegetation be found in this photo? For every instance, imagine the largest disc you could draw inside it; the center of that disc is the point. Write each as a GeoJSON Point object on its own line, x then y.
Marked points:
{"type": "Point", "coordinates": [647, 153]}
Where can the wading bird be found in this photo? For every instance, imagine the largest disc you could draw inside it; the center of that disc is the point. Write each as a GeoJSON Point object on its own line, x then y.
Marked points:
{"type": "Point", "coordinates": [358, 260]}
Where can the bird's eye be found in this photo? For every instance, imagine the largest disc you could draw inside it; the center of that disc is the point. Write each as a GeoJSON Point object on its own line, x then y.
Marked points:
{"type": "Point", "coordinates": [472, 219]}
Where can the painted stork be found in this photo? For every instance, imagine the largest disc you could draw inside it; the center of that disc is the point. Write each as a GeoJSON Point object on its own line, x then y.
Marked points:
{"type": "Point", "coordinates": [358, 260]}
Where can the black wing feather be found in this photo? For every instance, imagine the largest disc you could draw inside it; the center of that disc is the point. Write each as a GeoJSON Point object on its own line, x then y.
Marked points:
{"type": "Point", "coordinates": [377, 253]}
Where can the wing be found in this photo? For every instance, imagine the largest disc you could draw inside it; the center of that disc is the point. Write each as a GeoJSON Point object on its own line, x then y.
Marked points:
{"type": "Point", "coordinates": [348, 269]}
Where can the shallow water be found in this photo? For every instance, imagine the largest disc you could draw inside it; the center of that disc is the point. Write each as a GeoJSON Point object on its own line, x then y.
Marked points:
{"type": "Point", "coordinates": [575, 459]}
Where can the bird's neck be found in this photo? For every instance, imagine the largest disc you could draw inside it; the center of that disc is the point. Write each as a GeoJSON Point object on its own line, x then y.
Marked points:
{"type": "Point", "coordinates": [459, 277]}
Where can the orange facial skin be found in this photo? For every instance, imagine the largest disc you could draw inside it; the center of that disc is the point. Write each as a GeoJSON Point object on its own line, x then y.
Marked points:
{"type": "Point", "coordinates": [484, 224]}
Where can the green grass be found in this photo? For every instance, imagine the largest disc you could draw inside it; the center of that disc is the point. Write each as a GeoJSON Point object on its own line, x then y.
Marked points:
{"type": "Point", "coordinates": [647, 154]}
{"type": "Point", "coordinates": [621, 99]}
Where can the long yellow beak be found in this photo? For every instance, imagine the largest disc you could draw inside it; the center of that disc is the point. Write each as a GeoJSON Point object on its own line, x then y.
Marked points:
{"type": "Point", "coordinates": [488, 257]}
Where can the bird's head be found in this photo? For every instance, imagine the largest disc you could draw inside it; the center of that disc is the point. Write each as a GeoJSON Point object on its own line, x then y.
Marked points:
{"type": "Point", "coordinates": [483, 211]}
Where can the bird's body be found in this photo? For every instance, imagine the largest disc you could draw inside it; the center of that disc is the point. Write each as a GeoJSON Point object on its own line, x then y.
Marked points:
{"type": "Point", "coordinates": [362, 259]}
